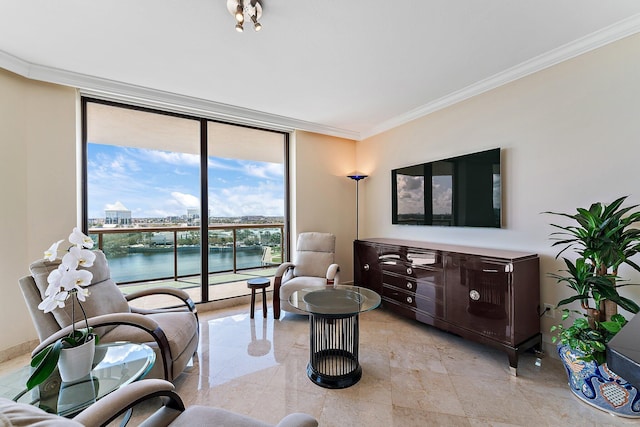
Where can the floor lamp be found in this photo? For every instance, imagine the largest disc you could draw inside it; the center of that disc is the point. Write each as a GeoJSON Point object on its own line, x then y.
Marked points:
{"type": "Point", "coordinates": [357, 176]}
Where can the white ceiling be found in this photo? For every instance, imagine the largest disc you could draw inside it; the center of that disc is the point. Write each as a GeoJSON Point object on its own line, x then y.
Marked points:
{"type": "Point", "coordinates": [346, 68]}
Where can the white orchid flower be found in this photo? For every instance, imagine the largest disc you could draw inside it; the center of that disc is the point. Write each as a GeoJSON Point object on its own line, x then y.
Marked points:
{"type": "Point", "coordinates": [52, 253]}
{"type": "Point", "coordinates": [78, 257]}
{"type": "Point", "coordinates": [86, 258]}
{"type": "Point", "coordinates": [56, 275]}
{"type": "Point", "coordinates": [82, 294]}
{"type": "Point", "coordinates": [80, 239]}
{"type": "Point", "coordinates": [76, 279]}
{"type": "Point", "coordinates": [69, 260]}
{"type": "Point", "coordinates": [54, 301]}
{"type": "Point", "coordinates": [67, 281]}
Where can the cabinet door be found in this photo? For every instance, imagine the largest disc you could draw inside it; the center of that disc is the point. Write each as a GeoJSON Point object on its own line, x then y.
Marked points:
{"type": "Point", "coordinates": [479, 295]}
{"type": "Point", "coordinates": [366, 269]}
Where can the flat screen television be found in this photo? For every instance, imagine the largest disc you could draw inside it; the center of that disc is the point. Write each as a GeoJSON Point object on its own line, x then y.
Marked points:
{"type": "Point", "coordinates": [461, 191]}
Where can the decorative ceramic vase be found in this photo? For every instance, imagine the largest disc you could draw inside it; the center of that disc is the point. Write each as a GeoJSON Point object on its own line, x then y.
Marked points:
{"type": "Point", "coordinates": [598, 386]}
{"type": "Point", "coordinates": [76, 362]}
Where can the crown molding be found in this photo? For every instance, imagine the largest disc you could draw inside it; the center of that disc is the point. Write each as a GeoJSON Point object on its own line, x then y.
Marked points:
{"type": "Point", "coordinates": [124, 92]}
{"type": "Point", "coordinates": [615, 32]}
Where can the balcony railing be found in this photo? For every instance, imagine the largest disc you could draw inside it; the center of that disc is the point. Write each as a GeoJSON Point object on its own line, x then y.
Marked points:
{"type": "Point", "coordinates": [142, 254]}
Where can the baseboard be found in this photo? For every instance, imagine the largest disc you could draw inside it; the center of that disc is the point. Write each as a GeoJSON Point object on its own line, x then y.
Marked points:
{"type": "Point", "coordinates": [18, 350]}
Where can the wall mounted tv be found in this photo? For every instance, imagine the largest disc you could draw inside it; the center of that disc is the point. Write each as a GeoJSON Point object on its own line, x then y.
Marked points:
{"type": "Point", "coordinates": [461, 191]}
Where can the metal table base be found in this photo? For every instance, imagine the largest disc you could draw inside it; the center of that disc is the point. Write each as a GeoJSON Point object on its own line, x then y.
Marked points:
{"type": "Point", "coordinates": [333, 361]}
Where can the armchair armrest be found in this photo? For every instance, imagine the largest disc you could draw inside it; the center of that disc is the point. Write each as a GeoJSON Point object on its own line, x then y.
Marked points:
{"type": "Point", "coordinates": [114, 319]}
{"type": "Point", "coordinates": [298, 420]}
{"type": "Point", "coordinates": [282, 268]}
{"type": "Point", "coordinates": [332, 274]}
{"type": "Point", "coordinates": [277, 282]}
{"type": "Point", "coordinates": [117, 403]}
{"type": "Point", "coordinates": [178, 293]}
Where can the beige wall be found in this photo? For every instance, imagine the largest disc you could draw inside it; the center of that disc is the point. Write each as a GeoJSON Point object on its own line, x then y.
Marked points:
{"type": "Point", "coordinates": [323, 198]}
{"type": "Point", "coordinates": [570, 136]}
{"type": "Point", "coordinates": [37, 188]}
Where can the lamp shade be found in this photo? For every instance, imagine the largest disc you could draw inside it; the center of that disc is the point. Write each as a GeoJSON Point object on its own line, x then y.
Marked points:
{"type": "Point", "coordinates": [357, 176]}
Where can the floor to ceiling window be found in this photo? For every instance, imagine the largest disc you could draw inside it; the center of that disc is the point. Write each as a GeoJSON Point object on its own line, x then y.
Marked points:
{"type": "Point", "coordinates": [173, 199]}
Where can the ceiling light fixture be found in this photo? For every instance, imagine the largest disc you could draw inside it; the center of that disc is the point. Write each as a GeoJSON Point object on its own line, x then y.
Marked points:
{"type": "Point", "coordinates": [239, 8]}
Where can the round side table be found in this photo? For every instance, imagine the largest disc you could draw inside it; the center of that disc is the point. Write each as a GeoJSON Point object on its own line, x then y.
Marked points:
{"type": "Point", "coordinates": [259, 283]}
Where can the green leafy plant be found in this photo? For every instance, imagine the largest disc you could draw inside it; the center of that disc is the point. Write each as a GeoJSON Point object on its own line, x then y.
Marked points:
{"type": "Point", "coordinates": [586, 337]}
{"type": "Point", "coordinates": [604, 239]}
{"type": "Point", "coordinates": [66, 282]}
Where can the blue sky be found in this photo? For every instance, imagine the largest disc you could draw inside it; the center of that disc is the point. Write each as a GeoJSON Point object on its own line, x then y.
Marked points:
{"type": "Point", "coordinates": [154, 183]}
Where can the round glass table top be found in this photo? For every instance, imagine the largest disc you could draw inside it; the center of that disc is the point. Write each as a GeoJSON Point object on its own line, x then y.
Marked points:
{"type": "Point", "coordinates": [335, 300]}
{"type": "Point", "coordinates": [114, 365]}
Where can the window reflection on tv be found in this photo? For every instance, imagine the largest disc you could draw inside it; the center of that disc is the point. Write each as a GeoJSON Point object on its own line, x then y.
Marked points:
{"type": "Point", "coordinates": [460, 191]}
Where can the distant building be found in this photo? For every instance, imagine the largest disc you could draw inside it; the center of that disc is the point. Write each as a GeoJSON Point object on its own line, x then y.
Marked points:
{"type": "Point", "coordinates": [119, 215]}
{"type": "Point", "coordinates": [193, 216]}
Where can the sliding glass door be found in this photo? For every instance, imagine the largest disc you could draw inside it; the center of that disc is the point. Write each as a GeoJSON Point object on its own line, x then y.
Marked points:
{"type": "Point", "coordinates": [180, 200]}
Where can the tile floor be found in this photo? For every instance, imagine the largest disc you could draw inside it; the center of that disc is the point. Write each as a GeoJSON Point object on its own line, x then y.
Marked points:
{"type": "Point", "coordinates": [413, 375]}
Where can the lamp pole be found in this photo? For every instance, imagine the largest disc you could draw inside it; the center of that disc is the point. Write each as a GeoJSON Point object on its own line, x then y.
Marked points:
{"type": "Point", "coordinates": [357, 176]}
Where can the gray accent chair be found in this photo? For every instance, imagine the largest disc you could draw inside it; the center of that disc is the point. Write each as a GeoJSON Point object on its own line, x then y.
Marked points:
{"type": "Point", "coordinates": [313, 266]}
{"type": "Point", "coordinates": [117, 404]}
{"type": "Point", "coordinates": [172, 332]}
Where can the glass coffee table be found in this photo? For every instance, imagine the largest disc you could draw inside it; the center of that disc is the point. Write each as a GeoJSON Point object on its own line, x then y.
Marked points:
{"type": "Point", "coordinates": [334, 331]}
{"type": "Point", "coordinates": [114, 365]}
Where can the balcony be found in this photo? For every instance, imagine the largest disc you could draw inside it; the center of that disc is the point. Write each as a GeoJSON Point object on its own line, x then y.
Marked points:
{"type": "Point", "coordinates": [142, 257]}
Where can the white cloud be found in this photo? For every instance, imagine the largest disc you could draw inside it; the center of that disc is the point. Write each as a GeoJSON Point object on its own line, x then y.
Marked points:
{"type": "Point", "coordinates": [264, 170]}
{"type": "Point", "coordinates": [181, 159]}
{"type": "Point", "coordinates": [410, 194]}
{"type": "Point", "coordinates": [187, 201]}
{"type": "Point", "coordinates": [265, 199]}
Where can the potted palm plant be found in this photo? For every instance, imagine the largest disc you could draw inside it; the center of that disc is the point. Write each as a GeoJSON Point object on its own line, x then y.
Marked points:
{"type": "Point", "coordinates": [604, 238]}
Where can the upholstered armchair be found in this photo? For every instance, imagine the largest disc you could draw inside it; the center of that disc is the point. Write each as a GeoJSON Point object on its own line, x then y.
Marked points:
{"type": "Point", "coordinates": [172, 332]}
{"type": "Point", "coordinates": [113, 406]}
{"type": "Point", "coordinates": [313, 266]}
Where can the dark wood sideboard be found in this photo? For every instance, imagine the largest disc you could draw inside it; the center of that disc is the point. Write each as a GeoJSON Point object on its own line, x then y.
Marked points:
{"type": "Point", "coordinates": [486, 295]}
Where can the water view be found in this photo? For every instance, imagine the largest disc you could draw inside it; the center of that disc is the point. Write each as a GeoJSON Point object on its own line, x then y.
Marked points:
{"type": "Point", "coordinates": [159, 264]}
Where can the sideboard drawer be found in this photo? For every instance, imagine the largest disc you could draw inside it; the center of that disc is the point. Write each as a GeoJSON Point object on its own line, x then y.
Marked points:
{"type": "Point", "coordinates": [424, 300]}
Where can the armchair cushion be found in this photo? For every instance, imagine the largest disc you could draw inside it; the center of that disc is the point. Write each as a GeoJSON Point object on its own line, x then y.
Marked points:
{"type": "Point", "coordinates": [315, 253]}
{"type": "Point", "coordinates": [194, 414]}
{"type": "Point", "coordinates": [316, 242]}
{"type": "Point", "coordinates": [172, 413]}
{"type": "Point", "coordinates": [21, 414]}
{"type": "Point", "coordinates": [179, 329]}
{"type": "Point", "coordinates": [312, 264]}
{"type": "Point", "coordinates": [297, 284]}
{"type": "Point", "coordinates": [105, 296]}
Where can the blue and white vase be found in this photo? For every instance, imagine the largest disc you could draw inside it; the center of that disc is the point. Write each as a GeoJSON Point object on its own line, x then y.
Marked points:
{"type": "Point", "coordinates": [598, 386]}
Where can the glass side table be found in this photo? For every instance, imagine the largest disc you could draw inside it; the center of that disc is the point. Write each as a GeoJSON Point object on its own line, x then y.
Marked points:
{"type": "Point", "coordinates": [334, 331]}
{"type": "Point", "coordinates": [114, 365]}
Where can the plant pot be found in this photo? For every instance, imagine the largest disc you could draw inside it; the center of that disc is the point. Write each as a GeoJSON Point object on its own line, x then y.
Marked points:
{"type": "Point", "coordinates": [598, 386]}
{"type": "Point", "coordinates": [76, 362]}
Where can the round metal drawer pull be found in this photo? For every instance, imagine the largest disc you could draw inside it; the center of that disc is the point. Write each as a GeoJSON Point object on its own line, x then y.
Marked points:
{"type": "Point", "coordinates": [409, 285]}
{"type": "Point", "coordinates": [366, 267]}
{"type": "Point", "coordinates": [409, 271]}
{"type": "Point", "coordinates": [409, 300]}
{"type": "Point", "coordinates": [474, 295]}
